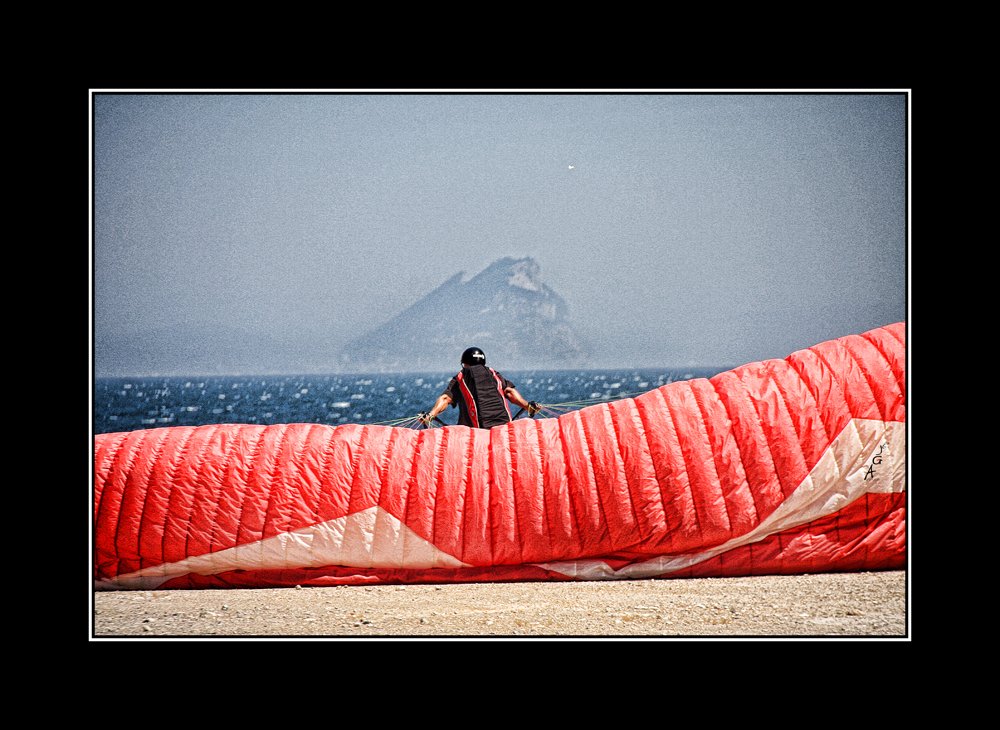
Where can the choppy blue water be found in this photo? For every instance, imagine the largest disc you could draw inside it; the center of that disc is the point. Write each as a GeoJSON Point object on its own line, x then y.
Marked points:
{"type": "Point", "coordinates": [128, 404]}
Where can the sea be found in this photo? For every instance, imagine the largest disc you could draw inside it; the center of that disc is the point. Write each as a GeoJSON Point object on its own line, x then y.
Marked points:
{"type": "Point", "coordinates": [129, 404]}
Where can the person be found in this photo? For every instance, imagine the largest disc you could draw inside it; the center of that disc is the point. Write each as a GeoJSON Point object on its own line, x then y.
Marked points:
{"type": "Point", "coordinates": [481, 394]}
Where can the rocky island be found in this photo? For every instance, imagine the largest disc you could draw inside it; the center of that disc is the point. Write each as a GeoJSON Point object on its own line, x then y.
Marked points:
{"type": "Point", "coordinates": [506, 310]}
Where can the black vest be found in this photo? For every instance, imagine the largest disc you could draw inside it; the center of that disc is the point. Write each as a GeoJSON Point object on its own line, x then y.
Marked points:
{"type": "Point", "coordinates": [482, 391]}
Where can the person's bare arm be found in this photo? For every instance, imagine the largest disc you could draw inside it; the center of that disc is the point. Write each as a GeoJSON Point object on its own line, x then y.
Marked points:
{"type": "Point", "coordinates": [442, 402]}
{"type": "Point", "coordinates": [517, 399]}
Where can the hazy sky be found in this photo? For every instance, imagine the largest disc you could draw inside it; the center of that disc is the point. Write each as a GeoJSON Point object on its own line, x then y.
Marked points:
{"type": "Point", "coordinates": [709, 228]}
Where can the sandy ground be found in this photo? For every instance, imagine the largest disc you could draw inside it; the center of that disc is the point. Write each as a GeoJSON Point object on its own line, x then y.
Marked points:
{"type": "Point", "coordinates": [832, 604]}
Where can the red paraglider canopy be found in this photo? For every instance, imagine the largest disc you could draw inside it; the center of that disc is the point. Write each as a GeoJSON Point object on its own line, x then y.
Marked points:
{"type": "Point", "coordinates": [782, 466]}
